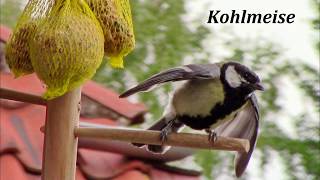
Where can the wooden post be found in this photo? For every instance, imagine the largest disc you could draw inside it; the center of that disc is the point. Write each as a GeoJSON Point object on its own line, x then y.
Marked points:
{"type": "Point", "coordinates": [60, 146]}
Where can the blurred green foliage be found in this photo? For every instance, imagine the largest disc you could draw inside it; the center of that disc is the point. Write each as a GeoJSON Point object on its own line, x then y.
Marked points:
{"type": "Point", "coordinates": [9, 12]}
{"type": "Point", "coordinates": [164, 41]}
{"type": "Point", "coordinates": [316, 21]}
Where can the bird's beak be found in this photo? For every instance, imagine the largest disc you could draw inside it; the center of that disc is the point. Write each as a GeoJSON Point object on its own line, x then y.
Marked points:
{"type": "Point", "coordinates": [258, 86]}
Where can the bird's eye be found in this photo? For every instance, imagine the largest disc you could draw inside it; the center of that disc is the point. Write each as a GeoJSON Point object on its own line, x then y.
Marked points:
{"type": "Point", "coordinates": [246, 75]}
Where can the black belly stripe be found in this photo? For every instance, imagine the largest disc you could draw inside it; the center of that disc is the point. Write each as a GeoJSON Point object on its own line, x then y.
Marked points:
{"type": "Point", "coordinates": [219, 111]}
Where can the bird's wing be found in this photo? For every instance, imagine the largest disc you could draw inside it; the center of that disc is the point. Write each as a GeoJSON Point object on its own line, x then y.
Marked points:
{"type": "Point", "coordinates": [245, 125]}
{"type": "Point", "coordinates": [191, 71]}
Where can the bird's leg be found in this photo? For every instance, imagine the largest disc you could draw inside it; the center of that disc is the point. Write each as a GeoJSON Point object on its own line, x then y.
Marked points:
{"type": "Point", "coordinates": [212, 135]}
{"type": "Point", "coordinates": [166, 130]}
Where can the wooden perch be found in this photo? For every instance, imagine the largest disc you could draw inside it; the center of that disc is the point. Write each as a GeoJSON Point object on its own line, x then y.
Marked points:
{"type": "Point", "coordinates": [20, 96]}
{"type": "Point", "coordinates": [174, 139]}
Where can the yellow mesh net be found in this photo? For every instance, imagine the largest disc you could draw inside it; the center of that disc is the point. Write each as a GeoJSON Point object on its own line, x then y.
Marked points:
{"type": "Point", "coordinates": [116, 22]}
{"type": "Point", "coordinates": [17, 49]}
{"type": "Point", "coordinates": [64, 41]}
{"type": "Point", "coordinates": [67, 47]}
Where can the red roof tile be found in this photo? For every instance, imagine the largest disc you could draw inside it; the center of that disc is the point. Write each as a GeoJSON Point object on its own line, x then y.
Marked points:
{"type": "Point", "coordinates": [162, 175]}
{"type": "Point", "coordinates": [28, 83]}
{"type": "Point", "coordinates": [5, 33]}
{"type": "Point", "coordinates": [22, 140]}
{"type": "Point", "coordinates": [12, 169]}
{"type": "Point", "coordinates": [132, 175]}
{"type": "Point", "coordinates": [20, 128]}
{"type": "Point", "coordinates": [111, 99]}
{"type": "Point", "coordinates": [106, 97]}
{"type": "Point", "coordinates": [99, 165]}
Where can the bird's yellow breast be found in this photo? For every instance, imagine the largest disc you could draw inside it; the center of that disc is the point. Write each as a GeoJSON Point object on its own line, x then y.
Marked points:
{"type": "Point", "coordinates": [198, 97]}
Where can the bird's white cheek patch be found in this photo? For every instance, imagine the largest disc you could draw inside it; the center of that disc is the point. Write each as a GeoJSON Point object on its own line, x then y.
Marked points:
{"type": "Point", "coordinates": [232, 77]}
{"type": "Point", "coordinates": [244, 80]}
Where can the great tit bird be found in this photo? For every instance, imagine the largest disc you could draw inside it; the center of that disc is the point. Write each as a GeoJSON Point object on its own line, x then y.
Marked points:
{"type": "Point", "coordinates": [218, 98]}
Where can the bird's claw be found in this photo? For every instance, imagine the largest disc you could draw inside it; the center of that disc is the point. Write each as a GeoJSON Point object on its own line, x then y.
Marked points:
{"type": "Point", "coordinates": [165, 132]}
{"type": "Point", "coordinates": [164, 135]}
{"type": "Point", "coordinates": [212, 136]}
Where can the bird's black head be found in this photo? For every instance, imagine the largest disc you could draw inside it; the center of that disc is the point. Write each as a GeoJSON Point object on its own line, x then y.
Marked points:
{"type": "Point", "coordinates": [237, 76]}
